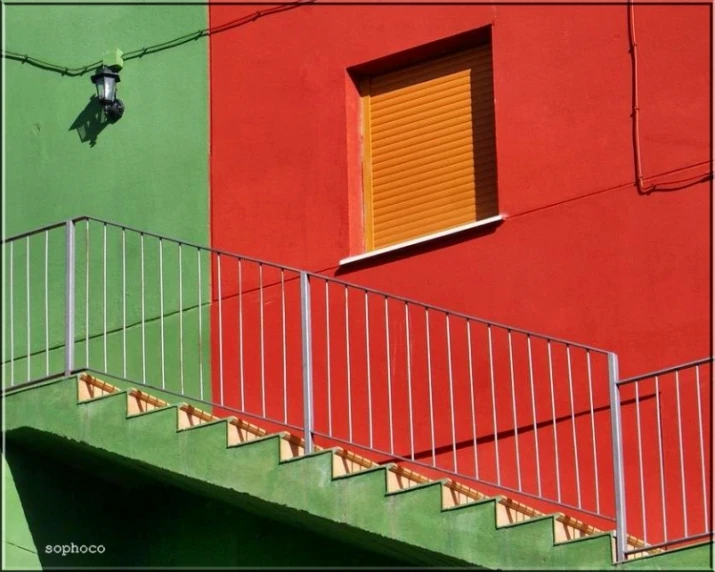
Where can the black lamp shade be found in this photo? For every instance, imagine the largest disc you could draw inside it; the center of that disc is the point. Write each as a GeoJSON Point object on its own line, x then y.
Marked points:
{"type": "Point", "coordinates": [105, 80]}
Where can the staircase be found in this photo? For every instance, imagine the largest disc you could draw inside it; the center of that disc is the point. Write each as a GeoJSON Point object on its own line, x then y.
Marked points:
{"type": "Point", "coordinates": [434, 522]}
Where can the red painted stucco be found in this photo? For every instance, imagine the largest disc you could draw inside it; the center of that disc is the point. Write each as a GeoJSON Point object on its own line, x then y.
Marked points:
{"type": "Point", "coordinates": [581, 254]}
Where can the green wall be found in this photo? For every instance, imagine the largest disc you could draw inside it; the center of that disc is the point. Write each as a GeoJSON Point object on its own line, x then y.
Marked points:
{"type": "Point", "coordinates": [149, 170]}
{"type": "Point", "coordinates": [19, 548]}
{"type": "Point", "coordinates": [143, 521]}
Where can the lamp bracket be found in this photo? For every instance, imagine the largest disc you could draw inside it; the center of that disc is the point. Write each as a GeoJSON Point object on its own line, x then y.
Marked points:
{"type": "Point", "coordinates": [113, 59]}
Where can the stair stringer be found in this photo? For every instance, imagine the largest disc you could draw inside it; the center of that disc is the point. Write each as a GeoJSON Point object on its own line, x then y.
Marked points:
{"type": "Point", "coordinates": [345, 461]}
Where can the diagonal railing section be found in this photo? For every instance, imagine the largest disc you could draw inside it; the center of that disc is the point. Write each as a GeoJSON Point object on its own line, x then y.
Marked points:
{"type": "Point", "coordinates": [481, 401]}
{"type": "Point", "coordinates": [34, 305]}
{"type": "Point", "coordinates": [454, 395]}
{"type": "Point", "coordinates": [665, 455]}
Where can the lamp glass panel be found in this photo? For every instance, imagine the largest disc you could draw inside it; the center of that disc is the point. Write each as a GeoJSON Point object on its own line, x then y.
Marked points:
{"type": "Point", "coordinates": [99, 84]}
{"type": "Point", "coordinates": [110, 88]}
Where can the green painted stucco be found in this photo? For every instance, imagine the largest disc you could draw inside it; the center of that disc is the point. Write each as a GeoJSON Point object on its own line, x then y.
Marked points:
{"type": "Point", "coordinates": [149, 170]}
{"type": "Point", "coordinates": [19, 548]}
{"type": "Point", "coordinates": [408, 526]}
{"type": "Point", "coordinates": [74, 496]}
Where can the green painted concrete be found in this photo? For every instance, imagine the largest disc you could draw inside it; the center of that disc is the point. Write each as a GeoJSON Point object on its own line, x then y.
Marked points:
{"type": "Point", "coordinates": [19, 549]}
{"type": "Point", "coordinates": [74, 496]}
{"type": "Point", "coordinates": [680, 559]}
{"type": "Point", "coordinates": [149, 170]}
{"type": "Point", "coordinates": [408, 525]}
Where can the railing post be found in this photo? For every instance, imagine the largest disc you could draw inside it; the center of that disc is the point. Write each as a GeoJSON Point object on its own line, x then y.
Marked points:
{"type": "Point", "coordinates": [69, 296]}
{"type": "Point", "coordinates": [307, 361]}
{"type": "Point", "coordinates": [617, 445]}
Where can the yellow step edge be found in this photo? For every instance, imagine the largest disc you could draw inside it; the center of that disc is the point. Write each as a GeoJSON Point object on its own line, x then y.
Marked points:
{"type": "Point", "coordinates": [93, 388]}
{"type": "Point", "coordinates": [141, 402]}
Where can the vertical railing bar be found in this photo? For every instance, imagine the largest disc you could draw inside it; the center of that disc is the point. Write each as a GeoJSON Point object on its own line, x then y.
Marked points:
{"type": "Point", "coordinates": [471, 395]}
{"type": "Point", "coordinates": [347, 366]}
{"type": "Point", "coordinates": [451, 395]}
{"type": "Point", "coordinates": [181, 320]}
{"type": "Point", "coordinates": [367, 359]}
{"type": "Point", "coordinates": [47, 303]}
{"type": "Point", "coordinates": [409, 379]}
{"type": "Point", "coordinates": [617, 448]}
{"type": "Point", "coordinates": [494, 404]}
{"type": "Point", "coordinates": [533, 416]}
{"type": "Point", "coordinates": [86, 296]}
{"type": "Point", "coordinates": [389, 379]}
{"type": "Point", "coordinates": [161, 311]}
{"type": "Point", "coordinates": [263, 354]}
{"type": "Point", "coordinates": [661, 459]}
{"type": "Point", "coordinates": [70, 269]}
{"type": "Point", "coordinates": [429, 381]}
{"type": "Point", "coordinates": [680, 443]}
{"type": "Point", "coordinates": [240, 331]}
{"type": "Point", "coordinates": [327, 357]}
{"type": "Point", "coordinates": [702, 448]}
{"type": "Point", "coordinates": [553, 424]}
{"type": "Point", "coordinates": [124, 304]}
{"type": "Point", "coordinates": [513, 410]}
{"type": "Point", "coordinates": [640, 464]}
{"type": "Point", "coordinates": [285, 367]}
{"type": "Point", "coordinates": [220, 328]}
{"type": "Point", "coordinates": [143, 310]}
{"type": "Point", "coordinates": [104, 294]}
{"type": "Point", "coordinates": [307, 351]}
{"type": "Point", "coordinates": [12, 306]}
{"type": "Point", "coordinates": [200, 308]}
{"type": "Point", "coordinates": [593, 433]}
{"type": "Point", "coordinates": [573, 426]}
{"type": "Point", "coordinates": [27, 284]}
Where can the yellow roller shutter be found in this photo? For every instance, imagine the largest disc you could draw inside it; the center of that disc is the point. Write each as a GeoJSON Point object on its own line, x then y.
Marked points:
{"type": "Point", "coordinates": [429, 162]}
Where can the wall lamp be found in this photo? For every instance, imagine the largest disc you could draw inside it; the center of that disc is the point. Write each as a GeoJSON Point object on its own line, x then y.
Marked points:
{"type": "Point", "coordinates": [106, 80]}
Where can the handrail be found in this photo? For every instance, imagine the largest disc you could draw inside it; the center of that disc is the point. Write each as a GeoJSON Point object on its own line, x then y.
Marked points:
{"type": "Point", "coordinates": [459, 314]}
{"type": "Point", "coordinates": [366, 289]}
{"type": "Point", "coordinates": [153, 235]}
{"type": "Point", "coordinates": [33, 231]}
{"type": "Point", "coordinates": [666, 370]}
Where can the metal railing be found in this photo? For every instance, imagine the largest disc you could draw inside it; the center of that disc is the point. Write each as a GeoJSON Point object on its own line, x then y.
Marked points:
{"type": "Point", "coordinates": [481, 401]}
{"type": "Point", "coordinates": [34, 305]}
{"type": "Point", "coordinates": [661, 418]}
{"type": "Point", "coordinates": [452, 394]}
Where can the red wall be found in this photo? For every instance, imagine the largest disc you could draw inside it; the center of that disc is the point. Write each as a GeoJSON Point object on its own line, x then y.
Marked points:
{"type": "Point", "coordinates": [581, 255]}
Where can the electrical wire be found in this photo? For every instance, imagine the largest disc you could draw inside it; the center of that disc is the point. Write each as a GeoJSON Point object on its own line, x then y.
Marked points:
{"type": "Point", "coordinates": [636, 107]}
{"type": "Point", "coordinates": [141, 52]}
{"type": "Point", "coordinates": [640, 179]}
{"type": "Point", "coordinates": [684, 183]}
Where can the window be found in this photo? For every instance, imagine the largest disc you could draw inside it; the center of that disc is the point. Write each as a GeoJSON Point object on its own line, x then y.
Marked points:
{"type": "Point", "coordinates": [428, 147]}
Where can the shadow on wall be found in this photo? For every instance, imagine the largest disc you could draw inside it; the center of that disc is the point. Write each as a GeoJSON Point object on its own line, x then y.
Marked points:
{"type": "Point", "coordinates": [90, 122]}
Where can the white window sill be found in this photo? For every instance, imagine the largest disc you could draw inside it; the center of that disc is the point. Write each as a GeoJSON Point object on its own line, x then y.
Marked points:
{"type": "Point", "coordinates": [422, 239]}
